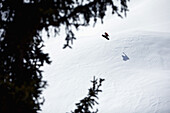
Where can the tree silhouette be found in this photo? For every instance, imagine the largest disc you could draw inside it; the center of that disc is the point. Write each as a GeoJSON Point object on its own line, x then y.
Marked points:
{"type": "Point", "coordinates": [21, 43]}
{"type": "Point", "coordinates": [86, 104]}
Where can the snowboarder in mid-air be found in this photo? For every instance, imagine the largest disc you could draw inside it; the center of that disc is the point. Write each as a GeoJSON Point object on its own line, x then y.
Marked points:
{"type": "Point", "coordinates": [106, 36]}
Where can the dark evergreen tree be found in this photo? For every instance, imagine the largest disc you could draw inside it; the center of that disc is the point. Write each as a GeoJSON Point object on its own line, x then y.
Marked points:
{"type": "Point", "coordinates": [86, 104]}
{"type": "Point", "coordinates": [21, 55]}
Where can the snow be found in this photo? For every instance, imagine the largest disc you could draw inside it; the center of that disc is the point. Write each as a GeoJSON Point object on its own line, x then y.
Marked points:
{"type": "Point", "coordinates": [134, 63]}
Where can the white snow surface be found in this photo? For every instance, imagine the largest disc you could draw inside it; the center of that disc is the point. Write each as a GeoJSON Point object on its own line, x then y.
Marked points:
{"type": "Point", "coordinates": [135, 64]}
{"type": "Point", "coordinates": [137, 83]}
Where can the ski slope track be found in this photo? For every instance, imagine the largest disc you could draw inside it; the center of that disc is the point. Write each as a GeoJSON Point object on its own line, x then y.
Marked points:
{"type": "Point", "coordinates": [135, 66]}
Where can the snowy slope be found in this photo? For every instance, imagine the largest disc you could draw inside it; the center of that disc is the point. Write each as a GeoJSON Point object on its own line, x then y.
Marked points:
{"type": "Point", "coordinates": [135, 65]}
{"type": "Point", "coordinates": [143, 14]}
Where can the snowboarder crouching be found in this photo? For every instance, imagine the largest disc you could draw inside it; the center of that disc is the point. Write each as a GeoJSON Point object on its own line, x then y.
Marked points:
{"type": "Point", "coordinates": [106, 36]}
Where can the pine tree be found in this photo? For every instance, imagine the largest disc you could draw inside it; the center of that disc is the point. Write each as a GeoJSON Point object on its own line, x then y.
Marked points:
{"type": "Point", "coordinates": [86, 104]}
{"type": "Point", "coordinates": [21, 43]}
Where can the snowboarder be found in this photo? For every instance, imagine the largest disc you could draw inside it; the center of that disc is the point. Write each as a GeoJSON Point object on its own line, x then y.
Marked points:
{"type": "Point", "coordinates": [106, 36]}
